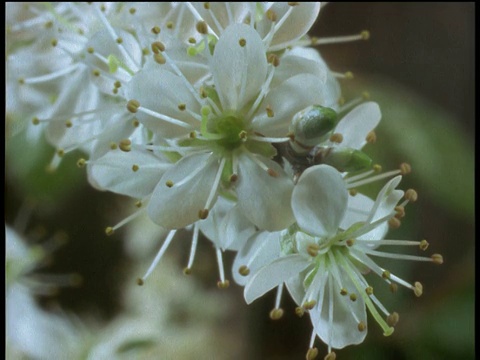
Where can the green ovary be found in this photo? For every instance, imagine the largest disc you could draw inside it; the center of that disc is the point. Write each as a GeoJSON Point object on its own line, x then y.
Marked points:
{"type": "Point", "coordinates": [229, 128]}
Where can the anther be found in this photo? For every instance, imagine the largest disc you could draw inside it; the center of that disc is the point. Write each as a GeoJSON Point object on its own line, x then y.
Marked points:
{"type": "Point", "coordinates": [223, 284]}
{"type": "Point", "coordinates": [159, 59]}
{"type": "Point", "coordinates": [400, 212]}
{"type": "Point", "coordinates": [272, 172]}
{"type": "Point", "coordinates": [135, 168]}
{"type": "Point", "coordinates": [405, 168]}
{"type": "Point", "coordinates": [35, 121]}
{"type": "Point", "coordinates": [21, 81]}
{"type": "Point", "coordinates": [135, 123]}
{"type": "Point", "coordinates": [411, 195]}
{"type": "Point", "coordinates": [203, 214]}
{"type": "Point", "coordinates": [158, 47]}
{"type": "Point", "coordinates": [365, 34]}
{"type": "Point", "coordinates": [54, 42]}
{"type": "Point", "coordinates": [312, 250]}
{"type": "Point", "coordinates": [170, 25]}
{"type": "Point", "coordinates": [192, 135]}
{"type": "Point", "coordinates": [182, 107]}
{"type": "Point", "coordinates": [371, 137]}
{"type": "Point", "coordinates": [242, 42]}
{"type": "Point", "coordinates": [109, 231]}
{"type": "Point", "coordinates": [312, 353]}
{"type": "Point", "coordinates": [113, 146]}
{"type": "Point", "coordinates": [132, 11]}
{"type": "Point", "coordinates": [392, 319]}
{"type": "Point", "coordinates": [156, 30]}
{"type": "Point", "coordinates": [424, 245]}
{"type": "Point", "coordinates": [343, 291]}
{"type": "Point", "coordinates": [125, 145]}
{"type": "Point", "coordinates": [90, 50]}
{"type": "Point", "coordinates": [60, 152]}
{"type": "Point", "coordinates": [330, 356]}
{"type": "Point", "coordinates": [366, 95]}
{"type": "Point", "coordinates": [369, 290]}
{"type": "Point", "coordinates": [394, 223]}
{"type": "Point", "coordinates": [361, 326]}
{"type": "Point", "coordinates": [309, 305]}
{"type": "Point", "coordinates": [393, 288]}
{"type": "Point", "coordinates": [353, 297]}
{"type": "Point", "coordinates": [437, 259]}
{"type": "Point", "coordinates": [336, 138]}
{"type": "Point", "coordinates": [133, 105]}
{"type": "Point", "coordinates": [202, 27]}
{"type": "Point", "coordinates": [269, 111]}
{"type": "Point", "coordinates": [299, 311]}
{"type": "Point", "coordinates": [353, 192]}
{"type": "Point", "coordinates": [48, 24]}
{"type": "Point", "coordinates": [81, 163]}
{"type": "Point", "coordinates": [386, 274]}
{"type": "Point", "coordinates": [276, 314]}
{"type": "Point", "coordinates": [273, 59]}
{"type": "Point", "coordinates": [119, 40]}
{"type": "Point", "coordinates": [187, 271]}
{"type": "Point", "coordinates": [96, 72]}
{"type": "Point", "coordinates": [377, 168]}
{"type": "Point", "coordinates": [206, 5]}
{"type": "Point", "coordinates": [68, 124]}
{"type": "Point", "coordinates": [140, 282]}
{"type": "Point", "coordinates": [243, 270]}
{"type": "Point", "coordinates": [348, 75]}
{"type": "Point", "coordinates": [293, 3]}
{"type": "Point", "coordinates": [243, 135]}
{"type": "Point", "coordinates": [341, 101]}
{"type": "Point", "coordinates": [350, 242]}
{"type": "Point", "coordinates": [138, 204]}
{"type": "Point", "coordinates": [418, 291]}
{"type": "Point", "coordinates": [233, 177]}
{"type": "Point", "coordinates": [271, 15]}
{"type": "Point", "coordinates": [145, 51]}
{"type": "Point", "coordinates": [192, 40]}
{"type": "Point", "coordinates": [169, 183]}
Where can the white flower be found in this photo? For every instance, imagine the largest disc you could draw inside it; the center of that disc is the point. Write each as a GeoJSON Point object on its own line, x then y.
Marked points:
{"type": "Point", "coordinates": [325, 258]}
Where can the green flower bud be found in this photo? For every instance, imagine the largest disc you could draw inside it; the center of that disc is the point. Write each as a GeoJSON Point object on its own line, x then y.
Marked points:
{"type": "Point", "coordinates": [346, 159]}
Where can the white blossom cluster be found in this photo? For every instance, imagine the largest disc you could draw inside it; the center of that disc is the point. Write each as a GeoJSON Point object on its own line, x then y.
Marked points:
{"type": "Point", "coordinates": [222, 118]}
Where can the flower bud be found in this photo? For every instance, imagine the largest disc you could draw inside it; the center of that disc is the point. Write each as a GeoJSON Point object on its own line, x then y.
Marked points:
{"type": "Point", "coordinates": [345, 159]}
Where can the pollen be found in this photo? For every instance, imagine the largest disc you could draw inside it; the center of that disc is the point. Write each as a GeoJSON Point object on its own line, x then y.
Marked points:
{"type": "Point", "coordinates": [81, 163]}
{"type": "Point", "coordinates": [271, 15]}
{"type": "Point", "coordinates": [394, 223]}
{"type": "Point", "coordinates": [312, 250]}
{"type": "Point", "coordinates": [156, 30]}
{"type": "Point", "coordinates": [203, 214]}
{"type": "Point", "coordinates": [223, 284]}
{"type": "Point", "coordinates": [418, 291]}
{"type": "Point", "coordinates": [202, 27]}
{"type": "Point", "coordinates": [158, 47]}
{"type": "Point", "coordinates": [243, 270]}
{"type": "Point", "coordinates": [243, 135]}
{"type": "Point", "coordinates": [309, 305]}
{"type": "Point", "coordinates": [312, 353]}
{"type": "Point", "coordinates": [424, 245]}
{"type": "Point", "coordinates": [109, 231]}
{"type": "Point", "coordinates": [276, 314]}
{"type": "Point", "coordinates": [361, 326]}
{"type": "Point", "coordinates": [159, 59]}
{"type": "Point", "coordinates": [135, 168]}
{"type": "Point", "coordinates": [117, 84]}
{"type": "Point", "coordinates": [400, 212]}
{"type": "Point", "coordinates": [371, 137]}
{"type": "Point", "coordinates": [242, 42]}
{"type": "Point", "coordinates": [169, 183]}
{"type": "Point", "coordinates": [299, 311]}
{"type": "Point", "coordinates": [405, 168]}
{"type": "Point", "coordinates": [411, 195]}
{"type": "Point", "coordinates": [437, 259]}
{"type": "Point", "coordinates": [133, 105]}
{"type": "Point", "coordinates": [125, 145]}
{"type": "Point", "coordinates": [392, 319]}
{"type": "Point", "coordinates": [272, 172]}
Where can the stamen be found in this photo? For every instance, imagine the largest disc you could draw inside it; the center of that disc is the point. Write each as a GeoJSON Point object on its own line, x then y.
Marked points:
{"type": "Point", "coordinates": [364, 35]}
{"type": "Point", "coordinates": [51, 76]}
{"type": "Point", "coordinates": [159, 255]}
{"type": "Point", "coordinates": [330, 356]}
{"type": "Point", "coordinates": [193, 250]}
{"type": "Point", "coordinates": [164, 117]}
{"type": "Point", "coordinates": [110, 230]}
{"type": "Point", "coordinates": [392, 319]}
{"type": "Point", "coordinates": [222, 284]}
{"type": "Point", "coordinates": [277, 312]}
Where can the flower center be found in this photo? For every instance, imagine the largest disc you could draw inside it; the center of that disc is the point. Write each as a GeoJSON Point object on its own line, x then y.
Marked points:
{"type": "Point", "coordinates": [230, 130]}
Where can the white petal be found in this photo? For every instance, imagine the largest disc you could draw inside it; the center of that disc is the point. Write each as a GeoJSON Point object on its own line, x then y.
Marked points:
{"type": "Point", "coordinates": [319, 200]}
{"type": "Point", "coordinates": [236, 229]}
{"type": "Point", "coordinates": [178, 206]}
{"type": "Point", "coordinates": [264, 199]}
{"type": "Point", "coordinates": [358, 209]}
{"type": "Point", "coordinates": [387, 199]}
{"type": "Point", "coordinates": [238, 72]}
{"type": "Point", "coordinates": [272, 275]}
{"type": "Point", "coordinates": [221, 14]}
{"type": "Point", "coordinates": [113, 171]}
{"type": "Point", "coordinates": [356, 125]}
{"type": "Point", "coordinates": [259, 250]}
{"type": "Point", "coordinates": [286, 100]}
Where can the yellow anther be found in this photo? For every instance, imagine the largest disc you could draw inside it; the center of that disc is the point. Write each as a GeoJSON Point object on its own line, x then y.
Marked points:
{"type": "Point", "coordinates": [48, 24]}
{"type": "Point", "coordinates": [243, 135]}
{"type": "Point", "coordinates": [299, 311]}
{"type": "Point", "coordinates": [135, 168]}
{"type": "Point", "coordinates": [336, 138]}
{"type": "Point", "coordinates": [293, 3]}
{"type": "Point", "coordinates": [96, 72]}
{"type": "Point", "coordinates": [60, 152]}
{"type": "Point", "coordinates": [169, 183]}
{"type": "Point", "coordinates": [400, 212]}
{"type": "Point", "coordinates": [170, 25]}
{"type": "Point", "coordinates": [140, 282]}
{"type": "Point", "coordinates": [202, 27]}
{"type": "Point", "coordinates": [68, 124]}
{"type": "Point", "coordinates": [223, 284]}
{"type": "Point", "coordinates": [330, 356]}
{"type": "Point", "coordinates": [312, 250]}
{"type": "Point", "coordinates": [115, 91]}
{"type": "Point", "coordinates": [350, 242]}
{"type": "Point", "coordinates": [206, 5]}
{"type": "Point", "coordinates": [54, 42]}
{"type": "Point", "coordinates": [159, 59]}
{"type": "Point", "coordinates": [269, 111]}
{"type": "Point", "coordinates": [192, 135]}
{"type": "Point", "coordinates": [405, 168]}
{"type": "Point", "coordinates": [411, 195]}
{"type": "Point", "coordinates": [135, 123]}
{"type": "Point", "coordinates": [424, 245]}
{"type": "Point", "coordinates": [203, 214]}
{"type": "Point", "coordinates": [81, 163]}
{"type": "Point", "coordinates": [369, 290]}
{"type": "Point", "coordinates": [353, 297]}
{"type": "Point", "coordinates": [21, 81]}
{"type": "Point", "coordinates": [361, 326]}
{"type": "Point", "coordinates": [243, 270]}
{"type": "Point", "coordinates": [35, 121]}
{"type": "Point", "coordinates": [418, 289]}
{"type": "Point", "coordinates": [394, 223]}
{"type": "Point", "coordinates": [393, 318]}
{"type": "Point", "coordinates": [343, 292]}
{"type": "Point", "coordinates": [109, 231]}
{"type": "Point", "coordinates": [119, 40]}
{"type": "Point", "coordinates": [371, 137]}
{"type": "Point", "coordinates": [192, 40]}
{"type": "Point", "coordinates": [309, 305]}
{"type": "Point", "coordinates": [437, 259]}
{"type": "Point", "coordinates": [156, 30]}
{"type": "Point", "coordinates": [273, 59]}
{"type": "Point", "coordinates": [158, 47]}
{"type": "Point", "coordinates": [90, 50]}
{"type": "Point", "coordinates": [145, 51]}
{"type": "Point", "coordinates": [365, 34]}
{"type": "Point", "coordinates": [242, 42]}
{"type": "Point", "coordinates": [366, 95]}
{"type": "Point", "coordinates": [272, 172]}
{"type": "Point", "coordinates": [233, 177]}
{"type": "Point", "coordinates": [341, 100]}
{"type": "Point", "coordinates": [377, 168]}
{"type": "Point", "coordinates": [132, 11]}
{"type": "Point", "coordinates": [182, 107]}
{"type": "Point", "coordinates": [271, 15]}
{"type": "Point", "coordinates": [348, 75]}
{"type": "Point", "coordinates": [102, 7]}
{"type": "Point", "coordinates": [393, 288]}
{"type": "Point", "coordinates": [312, 353]}
{"type": "Point", "coordinates": [117, 84]}
{"type": "Point", "coordinates": [353, 192]}
{"type": "Point", "coordinates": [125, 145]}
{"type": "Point", "coordinates": [138, 204]}
{"type": "Point", "coordinates": [276, 314]}
{"type": "Point", "coordinates": [187, 271]}
{"type": "Point", "coordinates": [133, 105]}
{"type": "Point", "coordinates": [113, 146]}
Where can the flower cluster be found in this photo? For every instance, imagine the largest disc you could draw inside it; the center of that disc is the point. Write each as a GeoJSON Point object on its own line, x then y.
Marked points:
{"type": "Point", "coordinates": [222, 118]}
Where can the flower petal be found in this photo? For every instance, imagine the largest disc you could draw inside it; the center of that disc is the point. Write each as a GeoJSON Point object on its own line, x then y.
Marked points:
{"type": "Point", "coordinates": [239, 72]}
{"type": "Point", "coordinates": [272, 275]}
{"type": "Point", "coordinates": [263, 198]}
{"type": "Point", "coordinates": [319, 200]}
{"type": "Point", "coordinates": [358, 209]}
{"type": "Point", "coordinates": [178, 206]}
